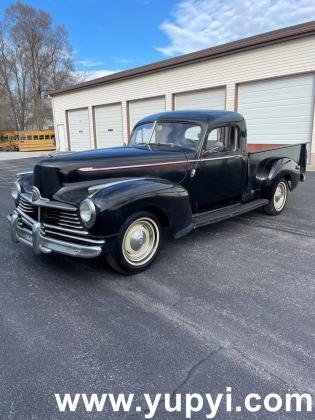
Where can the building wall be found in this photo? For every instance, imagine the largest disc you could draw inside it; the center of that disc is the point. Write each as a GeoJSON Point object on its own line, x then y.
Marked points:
{"type": "Point", "coordinates": [289, 57]}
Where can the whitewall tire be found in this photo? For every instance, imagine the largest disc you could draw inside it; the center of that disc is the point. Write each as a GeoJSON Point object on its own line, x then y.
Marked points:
{"type": "Point", "coordinates": [137, 244]}
{"type": "Point", "coordinates": [278, 199]}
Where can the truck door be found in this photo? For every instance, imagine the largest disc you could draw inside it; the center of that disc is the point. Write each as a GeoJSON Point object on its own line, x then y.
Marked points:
{"type": "Point", "coordinates": [219, 172]}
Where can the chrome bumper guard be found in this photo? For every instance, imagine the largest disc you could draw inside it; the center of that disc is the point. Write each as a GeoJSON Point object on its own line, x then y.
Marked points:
{"type": "Point", "coordinates": [32, 233]}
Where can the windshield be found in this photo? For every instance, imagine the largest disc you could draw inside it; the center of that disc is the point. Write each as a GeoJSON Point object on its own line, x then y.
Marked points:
{"type": "Point", "coordinates": [172, 134]}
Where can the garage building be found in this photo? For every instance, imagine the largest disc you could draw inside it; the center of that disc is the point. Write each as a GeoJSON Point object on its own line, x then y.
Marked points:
{"type": "Point", "coordinates": [269, 78]}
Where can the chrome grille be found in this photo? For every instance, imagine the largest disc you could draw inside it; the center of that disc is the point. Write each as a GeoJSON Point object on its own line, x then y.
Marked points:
{"type": "Point", "coordinates": [58, 219]}
{"type": "Point", "coordinates": [64, 219]}
{"type": "Point", "coordinates": [27, 207]}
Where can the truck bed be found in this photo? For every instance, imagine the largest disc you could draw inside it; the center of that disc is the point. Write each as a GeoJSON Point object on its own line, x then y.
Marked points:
{"type": "Point", "coordinates": [252, 148]}
{"type": "Point", "coordinates": [260, 152]}
{"type": "Point", "coordinates": [260, 155]}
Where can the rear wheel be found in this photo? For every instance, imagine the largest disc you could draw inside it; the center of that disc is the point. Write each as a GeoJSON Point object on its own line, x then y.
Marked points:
{"type": "Point", "coordinates": [137, 244]}
{"type": "Point", "coordinates": [278, 199]}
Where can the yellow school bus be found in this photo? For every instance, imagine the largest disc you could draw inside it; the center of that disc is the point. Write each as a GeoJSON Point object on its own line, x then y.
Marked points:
{"type": "Point", "coordinates": [26, 141]}
{"type": "Point", "coordinates": [37, 140]}
{"type": "Point", "coordinates": [9, 140]}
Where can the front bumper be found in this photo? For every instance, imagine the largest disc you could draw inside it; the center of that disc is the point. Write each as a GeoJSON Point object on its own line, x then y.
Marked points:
{"type": "Point", "coordinates": [32, 233]}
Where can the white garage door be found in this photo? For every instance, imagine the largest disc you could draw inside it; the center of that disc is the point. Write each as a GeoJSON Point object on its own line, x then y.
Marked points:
{"type": "Point", "coordinates": [203, 99]}
{"type": "Point", "coordinates": [143, 107]}
{"type": "Point", "coordinates": [79, 129]}
{"type": "Point", "coordinates": [108, 126]}
{"type": "Point", "coordinates": [278, 111]}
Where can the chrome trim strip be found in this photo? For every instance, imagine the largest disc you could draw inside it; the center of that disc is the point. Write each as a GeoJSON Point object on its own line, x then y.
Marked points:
{"type": "Point", "coordinates": [91, 169]}
{"type": "Point", "coordinates": [64, 229]}
{"type": "Point", "coordinates": [66, 217]}
{"type": "Point", "coordinates": [144, 165]}
{"type": "Point", "coordinates": [88, 240]}
{"type": "Point", "coordinates": [94, 189]}
{"type": "Point", "coordinates": [51, 204]}
{"type": "Point", "coordinates": [28, 220]}
{"type": "Point", "coordinates": [74, 225]}
{"type": "Point", "coordinates": [216, 158]}
{"type": "Point", "coordinates": [69, 222]}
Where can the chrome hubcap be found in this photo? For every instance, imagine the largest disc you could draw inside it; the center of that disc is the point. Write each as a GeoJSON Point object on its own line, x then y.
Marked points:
{"type": "Point", "coordinates": [280, 196]}
{"type": "Point", "coordinates": [137, 240]}
{"type": "Point", "coordinates": [140, 241]}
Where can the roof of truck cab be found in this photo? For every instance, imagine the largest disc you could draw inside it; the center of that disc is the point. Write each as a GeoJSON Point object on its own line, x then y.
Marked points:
{"type": "Point", "coordinates": [196, 115]}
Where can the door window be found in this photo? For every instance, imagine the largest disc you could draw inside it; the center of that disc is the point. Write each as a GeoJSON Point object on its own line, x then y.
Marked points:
{"type": "Point", "coordinates": [224, 139]}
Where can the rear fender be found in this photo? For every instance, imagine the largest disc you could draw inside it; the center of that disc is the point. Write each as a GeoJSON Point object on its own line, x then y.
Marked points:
{"type": "Point", "coordinates": [117, 201]}
{"type": "Point", "coordinates": [275, 170]}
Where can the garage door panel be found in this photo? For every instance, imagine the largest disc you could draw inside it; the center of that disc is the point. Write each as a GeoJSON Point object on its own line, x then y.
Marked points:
{"type": "Point", "coordinates": [281, 82]}
{"type": "Point", "coordinates": [281, 113]}
{"type": "Point", "coordinates": [108, 126]}
{"type": "Point", "coordinates": [278, 132]}
{"type": "Point", "coordinates": [278, 110]}
{"type": "Point", "coordinates": [275, 139]}
{"type": "Point", "coordinates": [276, 93]}
{"type": "Point", "coordinates": [283, 102]}
{"type": "Point", "coordinates": [79, 129]}
{"type": "Point", "coordinates": [205, 99]}
{"type": "Point", "coordinates": [141, 108]}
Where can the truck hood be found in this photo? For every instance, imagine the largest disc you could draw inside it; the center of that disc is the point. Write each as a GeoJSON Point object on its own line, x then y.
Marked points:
{"type": "Point", "coordinates": [77, 171]}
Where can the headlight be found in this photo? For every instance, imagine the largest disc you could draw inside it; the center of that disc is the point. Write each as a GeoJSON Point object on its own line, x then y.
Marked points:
{"type": "Point", "coordinates": [87, 212]}
{"type": "Point", "coordinates": [16, 191]}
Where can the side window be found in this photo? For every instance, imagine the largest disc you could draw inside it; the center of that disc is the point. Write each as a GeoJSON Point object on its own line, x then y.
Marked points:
{"type": "Point", "coordinates": [234, 139]}
{"type": "Point", "coordinates": [228, 136]}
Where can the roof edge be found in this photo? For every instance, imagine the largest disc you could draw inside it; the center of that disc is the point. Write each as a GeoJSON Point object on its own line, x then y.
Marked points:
{"type": "Point", "coordinates": [272, 37]}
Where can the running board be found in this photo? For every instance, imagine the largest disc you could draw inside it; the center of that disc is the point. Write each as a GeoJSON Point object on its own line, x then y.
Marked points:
{"type": "Point", "coordinates": [212, 216]}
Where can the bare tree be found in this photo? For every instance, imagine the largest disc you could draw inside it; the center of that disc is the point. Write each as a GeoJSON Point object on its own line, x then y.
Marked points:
{"type": "Point", "coordinates": [35, 57]}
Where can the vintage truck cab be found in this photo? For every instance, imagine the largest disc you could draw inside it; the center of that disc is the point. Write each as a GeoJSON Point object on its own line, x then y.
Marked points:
{"type": "Point", "coordinates": [180, 170]}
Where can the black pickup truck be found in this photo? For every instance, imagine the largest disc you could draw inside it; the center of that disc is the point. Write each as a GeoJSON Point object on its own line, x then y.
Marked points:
{"type": "Point", "coordinates": [180, 170]}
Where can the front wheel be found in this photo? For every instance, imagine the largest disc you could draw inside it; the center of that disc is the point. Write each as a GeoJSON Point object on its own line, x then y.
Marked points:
{"type": "Point", "coordinates": [137, 244]}
{"type": "Point", "coordinates": [278, 199]}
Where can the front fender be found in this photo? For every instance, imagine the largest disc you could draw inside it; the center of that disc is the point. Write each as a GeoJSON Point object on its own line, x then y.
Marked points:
{"type": "Point", "coordinates": [117, 201]}
{"type": "Point", "coordinates": [276, 170]}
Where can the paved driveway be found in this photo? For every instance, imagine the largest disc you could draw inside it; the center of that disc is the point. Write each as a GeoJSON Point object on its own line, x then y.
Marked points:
{"type": "Point", "coordinates": [231, 305]}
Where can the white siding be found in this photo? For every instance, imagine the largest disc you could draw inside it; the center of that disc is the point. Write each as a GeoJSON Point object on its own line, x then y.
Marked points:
{"type": "Point", "coordinates": [141, 108]}
{"type": "Point", "coordinates": [108, 126]}
{"type": "Point", "coordinates": [279, 110]}
{"type": "Point", "coordinates": [285, 58]}
{"type": "Point", "coordinates": [202, 99]}
{"type": "Point", "coordinates": [79, 129]}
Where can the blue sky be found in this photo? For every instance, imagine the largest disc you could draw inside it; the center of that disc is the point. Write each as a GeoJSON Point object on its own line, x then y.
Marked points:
{"type": "Point", "coordinates": [112, 35]}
